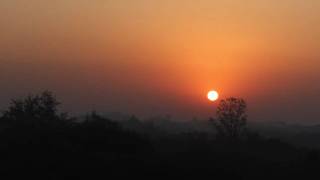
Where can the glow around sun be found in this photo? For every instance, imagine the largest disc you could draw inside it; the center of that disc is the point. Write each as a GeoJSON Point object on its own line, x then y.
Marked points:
{"type": "Point", "coordinates": [213, 95]}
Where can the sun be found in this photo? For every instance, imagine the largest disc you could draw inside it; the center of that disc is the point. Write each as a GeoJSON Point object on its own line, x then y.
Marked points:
{"type": "Point", "coordinates": [213, 95]}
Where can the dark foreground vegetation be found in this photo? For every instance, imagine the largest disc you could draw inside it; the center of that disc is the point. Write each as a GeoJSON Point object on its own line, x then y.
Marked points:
{"type": "Point", "coordinates": [39, 142]}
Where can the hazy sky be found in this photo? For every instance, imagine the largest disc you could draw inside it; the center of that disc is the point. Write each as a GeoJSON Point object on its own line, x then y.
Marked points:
{"type": "Point", "coordinates": [151, 57]}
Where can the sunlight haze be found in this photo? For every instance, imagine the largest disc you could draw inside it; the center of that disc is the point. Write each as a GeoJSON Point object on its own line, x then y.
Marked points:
{"type": "Point", "coordinates": [152, 57]}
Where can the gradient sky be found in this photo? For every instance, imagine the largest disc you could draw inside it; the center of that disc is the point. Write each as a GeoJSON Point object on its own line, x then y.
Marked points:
{"type": "Point", "coordinates": [151, 57]}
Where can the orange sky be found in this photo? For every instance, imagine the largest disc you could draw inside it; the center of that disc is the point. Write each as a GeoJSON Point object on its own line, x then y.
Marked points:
{"type": "Point", "coordinates": [152, 57]}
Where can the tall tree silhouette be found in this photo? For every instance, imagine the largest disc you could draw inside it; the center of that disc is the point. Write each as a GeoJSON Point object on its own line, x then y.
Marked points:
{"type": "Point", "coordinates": [231, 118]}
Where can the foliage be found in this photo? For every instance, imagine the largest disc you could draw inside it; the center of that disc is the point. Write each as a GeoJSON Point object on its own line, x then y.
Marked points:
{"type": "Point", "coordinates": [34, 110]}
{"type": "Point", "coordinates": [39, 141]}
{"type": "Point", "coordinates": [231, 118]}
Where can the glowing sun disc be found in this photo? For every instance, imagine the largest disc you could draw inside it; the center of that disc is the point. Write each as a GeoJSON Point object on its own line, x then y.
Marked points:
{"type": "Point", "coordinates": [213, 95]}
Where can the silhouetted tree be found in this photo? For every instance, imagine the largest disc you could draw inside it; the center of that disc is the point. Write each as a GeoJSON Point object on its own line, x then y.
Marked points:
{"type": "Point", "coordinates": [34, 109]}
{"type": "Point", "coordinates": [231, 118]}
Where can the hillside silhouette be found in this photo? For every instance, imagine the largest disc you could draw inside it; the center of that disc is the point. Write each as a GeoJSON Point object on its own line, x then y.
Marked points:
{"type": "Point", "coordinates": [38, 141]}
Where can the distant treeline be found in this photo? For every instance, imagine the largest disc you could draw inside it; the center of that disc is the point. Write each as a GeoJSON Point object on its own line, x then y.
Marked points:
{"type": "Point", "coordinates": [38, 141]}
